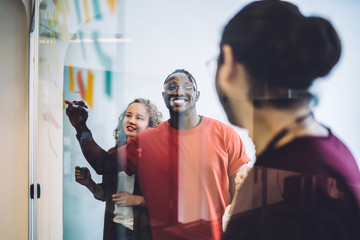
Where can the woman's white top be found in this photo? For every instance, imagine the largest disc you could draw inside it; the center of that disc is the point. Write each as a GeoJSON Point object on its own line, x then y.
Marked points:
{"type": "Point", "coordinates": [124, 215]}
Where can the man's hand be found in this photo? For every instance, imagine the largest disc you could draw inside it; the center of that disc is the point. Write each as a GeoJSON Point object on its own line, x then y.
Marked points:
{"type": "Point", "coordinates": [77, 116]}
{"type": "Point", "coordinates": [125, 199]}
{"type": "Point", "coordinates": [83, 176]}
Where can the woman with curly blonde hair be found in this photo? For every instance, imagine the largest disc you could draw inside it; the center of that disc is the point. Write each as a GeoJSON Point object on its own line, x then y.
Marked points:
{"type": "Point", "coordinates": [155, 118]}
{"type": "Point", "coordinates": [126, 215]}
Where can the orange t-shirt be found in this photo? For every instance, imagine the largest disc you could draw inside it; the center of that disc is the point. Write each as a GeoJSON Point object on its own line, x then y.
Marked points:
{"type": "Point", "coordinates": [184, 176]}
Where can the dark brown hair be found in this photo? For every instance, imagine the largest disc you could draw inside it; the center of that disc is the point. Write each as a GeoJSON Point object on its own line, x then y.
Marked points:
{"type": "Point", "coordinates": [280, 47]}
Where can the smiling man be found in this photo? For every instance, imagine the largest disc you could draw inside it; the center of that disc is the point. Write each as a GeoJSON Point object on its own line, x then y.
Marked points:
{"type": "Point", "coordinates": [186, 166]}
{"type": "Point", "coordinates": [180, 97]}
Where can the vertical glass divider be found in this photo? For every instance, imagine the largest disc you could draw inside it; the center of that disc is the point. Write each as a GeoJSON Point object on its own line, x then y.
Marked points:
{"type": "Point", "coordinates": [32, 107]}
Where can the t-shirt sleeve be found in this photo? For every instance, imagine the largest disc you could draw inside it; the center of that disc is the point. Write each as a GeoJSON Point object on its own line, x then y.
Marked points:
{"type": "Point", "coordinates": [128, 157]}
{"type": "Point", "coordinates": [236, 151]}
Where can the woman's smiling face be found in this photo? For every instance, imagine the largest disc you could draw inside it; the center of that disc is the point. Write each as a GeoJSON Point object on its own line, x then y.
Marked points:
{"type": "Point", "coordinates": [136, 119]}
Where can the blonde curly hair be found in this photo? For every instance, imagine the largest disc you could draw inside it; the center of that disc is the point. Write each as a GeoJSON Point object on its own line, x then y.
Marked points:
{"type": "Point", "coordinates": [155, 118]}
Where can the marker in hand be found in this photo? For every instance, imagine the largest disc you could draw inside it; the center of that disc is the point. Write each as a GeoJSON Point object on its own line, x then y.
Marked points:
{"type": "Point", "coordinates": [76, 106]}
{"type": "Point", "coordinates": [82, 170]}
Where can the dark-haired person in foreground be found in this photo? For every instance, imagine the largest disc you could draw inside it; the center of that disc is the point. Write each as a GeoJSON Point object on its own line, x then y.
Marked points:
{"type": "Point", "coordinates": [186, 166]}
{"type": "Point", "coordinates": [305, 183]}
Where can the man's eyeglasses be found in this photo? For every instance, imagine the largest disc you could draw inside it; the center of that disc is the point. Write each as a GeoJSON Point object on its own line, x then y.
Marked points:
{"type": "Point", "coordinates": [171, 88]}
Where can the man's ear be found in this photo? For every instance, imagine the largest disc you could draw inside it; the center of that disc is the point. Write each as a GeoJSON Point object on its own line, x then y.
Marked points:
{"type": "Point", "coordinates": [197, 96]}
{"type": "Point", "coordinates": [163, 95]}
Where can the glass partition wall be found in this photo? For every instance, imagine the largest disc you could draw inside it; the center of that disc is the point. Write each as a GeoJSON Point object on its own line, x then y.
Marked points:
{"type": "Point", "coordinates": [80, 57]}
{"type": "Point", "coordinates": [92, 72]}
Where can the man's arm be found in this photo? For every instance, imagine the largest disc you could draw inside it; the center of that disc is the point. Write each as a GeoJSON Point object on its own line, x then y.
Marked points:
{"type": "Point", "coordinates": [232, 186]}
{"type": "Point", "coordinates": [237, 157]}
{"type": "Point", "coordinates": [100, 160]}
{"type": "Point", "coordinates": [236, 181]}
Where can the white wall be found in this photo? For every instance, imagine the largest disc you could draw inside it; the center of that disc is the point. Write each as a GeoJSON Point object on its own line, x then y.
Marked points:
{"type": "Point", "coordinates": [14, 120]}
{"type": "Point", "coordinates": [167, 35]}
{"type": "Point", "coordinates": [185, 34]}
